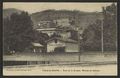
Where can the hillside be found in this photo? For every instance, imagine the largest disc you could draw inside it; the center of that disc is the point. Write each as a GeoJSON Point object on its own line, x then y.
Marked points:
{"type": "Point", "coordinates": [9, 11]}
{"type": "Point", "coordinates": [82, 18]}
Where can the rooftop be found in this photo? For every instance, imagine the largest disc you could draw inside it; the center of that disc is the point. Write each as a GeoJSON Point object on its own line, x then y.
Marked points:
{"type": "Point", "coordinates": [62, 39]}
{"type": "Point", "coordinates": [37, 44]}
{"type": "Point", "coordinates": [47, 29]}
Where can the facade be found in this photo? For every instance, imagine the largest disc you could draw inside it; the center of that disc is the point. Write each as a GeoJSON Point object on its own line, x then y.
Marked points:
{"type": "Point", "coordinates": [65, 35]}
{"type": "Point", "coordinates": [62, 45]}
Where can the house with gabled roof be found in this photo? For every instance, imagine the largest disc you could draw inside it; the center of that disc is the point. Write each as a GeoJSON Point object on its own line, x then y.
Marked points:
{"type": "Point", "coordinates": [37, 47]}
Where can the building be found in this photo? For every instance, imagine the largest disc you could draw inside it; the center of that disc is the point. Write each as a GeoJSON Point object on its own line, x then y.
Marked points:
{"type": "Point", "coordinates": [37, 47]}
{"type": "Point", "coordinates": [51, 31]}
{"type": "Point", "coordinates": [63, 22]}
{"type": "Point", "coordinates": [44, 24]}
{"type": "Point", "coordinates": [65, 34]}
{"type": "Point", "coordinates": [62, 45]}
{"type": "Point", "coordinates": [48, 31]}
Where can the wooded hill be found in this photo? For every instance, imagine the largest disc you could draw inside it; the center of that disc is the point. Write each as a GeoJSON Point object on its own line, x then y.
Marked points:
{"type": "Point", "coordinates": [8, 12]}
{"type": "Point", "coordinates": [83, 19]}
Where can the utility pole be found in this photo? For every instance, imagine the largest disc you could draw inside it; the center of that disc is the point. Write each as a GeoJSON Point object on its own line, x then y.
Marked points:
{"type": "Point", "coordinates": [102, 37]}
{"type": "Point", "coordinates": [102, 46]}
{"type": "Point", "coordinates": [79, 33]}
{"type": "Point", "coordinates": [79, 30]}
{"type": "Point", "coordinates": [78, 44]}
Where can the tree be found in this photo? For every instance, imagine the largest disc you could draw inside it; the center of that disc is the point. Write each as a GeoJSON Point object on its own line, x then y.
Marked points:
{"type": "Point", "coordinates": [74, 35]}
{"type": "Point", "coordinates": [92, 37]}
{"type": "Point", "coordinates": [110, 27]}
{"type": "Point", "coordinates": [18, 32]}
{"type": "Point", "coordinates": [40, 37]}
{"type": "Point", "coordinates": [6, 33]}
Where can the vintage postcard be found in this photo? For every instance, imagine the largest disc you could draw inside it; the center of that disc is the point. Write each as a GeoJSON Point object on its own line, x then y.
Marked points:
{"type": "Point", "coordinates": [51, 38]}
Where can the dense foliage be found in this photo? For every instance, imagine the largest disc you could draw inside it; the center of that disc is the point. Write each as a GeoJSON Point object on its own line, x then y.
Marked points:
{"type": "Point", "coordinates": [110, 28]}
{"type": "Point", "coordinates": [92, 34]}
{"type": "Point", "coordinates": [40, 37]}
{"type": "Point", "coordinates": [18, 32]}
{"type": "Point", "coordinates": [92, 37]}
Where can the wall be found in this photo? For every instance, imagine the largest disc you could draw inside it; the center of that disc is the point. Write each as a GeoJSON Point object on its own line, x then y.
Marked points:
{"type": "Point", "coordinates": [52, 45]}
{"type": "Point", "coordinates": [71, 47]}
{"type": "Point", "coordinates": [65, 34]}
{"type": "Point", "coordinates": [69, 57]}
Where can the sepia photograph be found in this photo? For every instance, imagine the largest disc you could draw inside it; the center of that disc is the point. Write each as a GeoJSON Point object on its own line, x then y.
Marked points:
{"type": "Point", "coordinates": [51, 38]}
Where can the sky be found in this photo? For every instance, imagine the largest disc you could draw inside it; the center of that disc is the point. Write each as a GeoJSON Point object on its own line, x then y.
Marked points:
{"type": "Point", "coordinates": [33, 7]}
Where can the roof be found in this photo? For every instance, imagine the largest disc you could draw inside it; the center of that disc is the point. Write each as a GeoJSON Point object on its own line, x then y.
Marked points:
{"type": "Point", "coordinates": [62, 39]}
{"type": "Point", "coordinates": [49, 29]}
{"type": "Point", "coordinates": [37, 44]}
{"type": "Point", "coordinates": [53, 29]}
{"type": "Point", "coordinates": [42, 29]}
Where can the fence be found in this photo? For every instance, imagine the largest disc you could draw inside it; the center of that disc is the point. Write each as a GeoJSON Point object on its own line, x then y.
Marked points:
{"type": "Point", "coordinates": [40, 58]}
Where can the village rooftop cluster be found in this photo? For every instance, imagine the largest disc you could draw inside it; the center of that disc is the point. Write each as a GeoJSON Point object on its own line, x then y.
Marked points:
{"type": "Point", "coordinates": [64, 43]}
